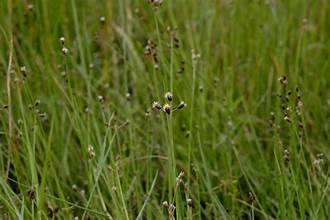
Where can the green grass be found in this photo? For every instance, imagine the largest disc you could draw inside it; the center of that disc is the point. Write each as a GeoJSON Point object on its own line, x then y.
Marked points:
{"type": "Point", "coordinates": [79, 137]}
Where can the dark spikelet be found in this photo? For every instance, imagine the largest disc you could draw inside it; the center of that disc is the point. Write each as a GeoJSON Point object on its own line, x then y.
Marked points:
{"type": "Point", "coordinates": [181, 105]}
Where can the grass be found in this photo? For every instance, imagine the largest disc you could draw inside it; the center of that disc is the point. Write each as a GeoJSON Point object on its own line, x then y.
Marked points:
{"type": "Point", "coordinates": [79, 138]}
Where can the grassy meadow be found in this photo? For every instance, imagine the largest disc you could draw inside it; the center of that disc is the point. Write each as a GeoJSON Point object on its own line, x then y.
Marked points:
{"type": "Point", "coordinates": [164, 109]}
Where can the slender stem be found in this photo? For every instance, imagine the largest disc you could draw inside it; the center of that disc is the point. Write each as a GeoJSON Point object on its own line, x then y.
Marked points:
{"type": "Point", "coordinates": [10, 115]}
{"type": "Point", "coordinates": [191, 117]}
{"type": "Point", "coordinates": [170, 124]}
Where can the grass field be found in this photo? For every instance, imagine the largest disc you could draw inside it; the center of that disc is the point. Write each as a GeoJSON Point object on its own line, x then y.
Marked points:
{"type": "Point", "coordinates": [173, 109]}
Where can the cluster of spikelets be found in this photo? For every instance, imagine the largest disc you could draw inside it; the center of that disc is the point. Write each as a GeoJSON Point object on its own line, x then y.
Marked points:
{"type": "Point", "coordinates": [167, 107]}
{"type": "Point", "coordinates": [170, 205]}
{"type": "Point", "coordinates": [156, 3]}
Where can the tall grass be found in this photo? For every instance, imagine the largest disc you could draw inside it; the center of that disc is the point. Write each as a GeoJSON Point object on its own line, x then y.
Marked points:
{"type": "Point", "coordinates": [81, 139]}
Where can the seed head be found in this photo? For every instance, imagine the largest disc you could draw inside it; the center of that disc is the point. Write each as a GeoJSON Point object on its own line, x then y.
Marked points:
{"type": "Point", "coordinates": [30, 7]}
{"type": "Point", "coordinates": [286, 118]}
{"type": "Point", "coordinates": [37, 103]}
{"type": "Point", "coordinates": [286, 155]}
{"type": "Point", "coordinates": [189, 202]}
{"type": "Point", "coordinates": [62, 40]}
{"type": "Point", "coordinates": [128, 96]}
{"type": "Point", "coordinates": [82, 193]}
{"type": "Point", "coordinates": [43, 116]}
{"type": "Point", "coordinates": [181, 105]}
{"type": "Point", "coordinates": [167, 108]}
{"type": "Point", "coordinates": [166, 205]}
{"type": "Point", "coordinates": [23, 71]}
{"type": "Point", "coordinates": [283, 80]}
{"type": "Point", "coordinates": [156, 105]}
{"type": "Point", "coordinates": [320, 155]}
{"type": "Point", "coordinates": [169, 96]}
{"type": "Point", "coordinates": [91, 151]}
{"type": "Point", "coordinates": [156, 3]}
{"type": "Point", "coordinates": [147, 112]}
{"type": "Point", "coordinates": [179, 178]}
{"type": "Point", "coordinates": [100, 98]}
{"type": "Point", "coordinates": [65, 50]}
{"type": "Point", "coordinates": [102, 19]}
{"type": "Point", "coordinates": [181, 69]}
{"type": "Point", "coordinates": [195, 56]}
{"type": "Point", "coordinates": [319, 160]}
{"type": "Point", "coordinates": [252, 197]}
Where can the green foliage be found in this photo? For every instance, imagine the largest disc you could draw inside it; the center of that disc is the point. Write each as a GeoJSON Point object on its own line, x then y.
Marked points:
{"type": "Point", "coordinates": [85, 129]}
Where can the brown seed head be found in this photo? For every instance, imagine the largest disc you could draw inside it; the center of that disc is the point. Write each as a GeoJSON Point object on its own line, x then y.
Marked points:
{"type": "Point", "coordinates": [167, 108]}
{"type": "Point", "coordinates": [166, 205]}
{"type": "Point", "coordinates": [181, 105]}
{"type": "Point", "coordinates": [169, 96]}
{"type": "Point", "coordinates": [189, 202]}
{"type": "Point", "coordinates": [62, 40]}
{"type": "Point", "coordinates": [65, 51]}
{"type": "Point", "coordinates": [156, 105]}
